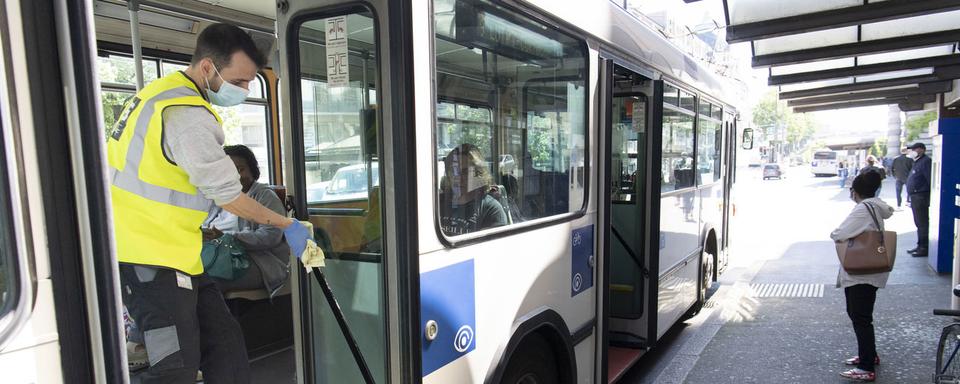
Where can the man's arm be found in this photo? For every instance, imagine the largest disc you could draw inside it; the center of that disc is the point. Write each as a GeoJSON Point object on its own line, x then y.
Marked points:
{"type": "Point", "coordinates": [248, 208]}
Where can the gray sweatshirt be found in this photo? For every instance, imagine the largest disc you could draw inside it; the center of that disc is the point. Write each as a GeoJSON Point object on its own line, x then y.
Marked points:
{"type": "Point", "coordinates": [858, 221]}
{"type": "Point", "coordinates": [193, 139]}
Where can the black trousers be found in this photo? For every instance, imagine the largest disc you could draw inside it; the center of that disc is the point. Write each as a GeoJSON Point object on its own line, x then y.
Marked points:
{"type": "Point", "coordinates": [920, 203]}
{"type": "Point", "coordinates": [860, 300]}
{"type": "Point", "coordinates": [186, 327]}
{"type": "Point", "coordinates": [899, 186]}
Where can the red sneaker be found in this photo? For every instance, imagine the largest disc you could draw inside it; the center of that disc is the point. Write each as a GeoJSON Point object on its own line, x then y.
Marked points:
{"type": "Point", "coordinates": [859, 374]}
{"type": "Point", "coordinates": [856, 360]}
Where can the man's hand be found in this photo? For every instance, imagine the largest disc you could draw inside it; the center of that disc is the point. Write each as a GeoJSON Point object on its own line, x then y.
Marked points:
{"type": "Point", "coordinates": [211, 233]}
{"type": "Point", "coordinates": [296, 235]}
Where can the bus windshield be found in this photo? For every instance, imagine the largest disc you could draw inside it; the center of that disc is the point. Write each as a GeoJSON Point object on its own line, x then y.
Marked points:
{"type": "Point", "coordinates": [825, 156]}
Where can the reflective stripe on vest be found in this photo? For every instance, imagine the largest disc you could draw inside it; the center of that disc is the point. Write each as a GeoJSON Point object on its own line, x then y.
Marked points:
{"type": "Point", "coordinates": [157, 213]}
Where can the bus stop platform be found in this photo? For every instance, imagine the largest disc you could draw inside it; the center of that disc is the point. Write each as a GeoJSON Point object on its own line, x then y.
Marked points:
{"type": "Point", "coordinates": [777, 316]}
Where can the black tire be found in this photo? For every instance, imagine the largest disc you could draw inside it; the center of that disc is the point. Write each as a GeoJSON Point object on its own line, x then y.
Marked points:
{"type": "Point", "coordinates": [532, 363]}
{"type": "Point", "coordinates": [947, 350]}
{"type": "Point", "coordinates": [706, 280]}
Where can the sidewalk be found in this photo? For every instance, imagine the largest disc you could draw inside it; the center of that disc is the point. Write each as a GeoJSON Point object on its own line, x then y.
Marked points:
{"type": "Point", "coordinates": [804, 339]}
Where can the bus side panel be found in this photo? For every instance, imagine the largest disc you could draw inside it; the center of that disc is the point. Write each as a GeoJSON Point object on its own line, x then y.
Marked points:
{"type": "Point", "coordinates": [711, 197]}
{"type": "Point", "coordinates": [677, 287]}
{"type": "Point", "coordinates": [33, 355]}
{"type": "Point", "coordinates": [515, 276]}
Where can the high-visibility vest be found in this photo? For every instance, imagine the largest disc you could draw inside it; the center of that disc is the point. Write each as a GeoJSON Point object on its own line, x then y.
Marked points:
{"type": "Point", "coordinates": [157, 213]}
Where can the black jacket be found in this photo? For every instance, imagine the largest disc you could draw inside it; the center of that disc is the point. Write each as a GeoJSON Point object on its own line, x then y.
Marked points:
{"type": "Point", "coordinates": [902, 166]}
{"type": "Point", "coordinates": [919, 179]}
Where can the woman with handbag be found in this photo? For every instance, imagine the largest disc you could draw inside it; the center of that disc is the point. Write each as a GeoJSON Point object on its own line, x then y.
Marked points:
{"type": "Point", "coordinates": [861, 289]}
{"type": "Point", "coordinates": [263, 253]}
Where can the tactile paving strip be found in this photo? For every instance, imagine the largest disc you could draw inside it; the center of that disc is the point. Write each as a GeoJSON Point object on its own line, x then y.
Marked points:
{"type": "Point", "coordinates": [786, 290]}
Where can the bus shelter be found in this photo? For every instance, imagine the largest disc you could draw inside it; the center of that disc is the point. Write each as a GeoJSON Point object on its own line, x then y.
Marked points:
{"type": "Point", "coordinates": [835, 54]}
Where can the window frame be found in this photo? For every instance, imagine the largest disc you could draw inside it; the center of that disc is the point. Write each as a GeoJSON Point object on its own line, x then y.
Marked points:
{"type": "Point", "coordinates": [21, 298]}
{"type": "Point", "coordinates": [533, 224]}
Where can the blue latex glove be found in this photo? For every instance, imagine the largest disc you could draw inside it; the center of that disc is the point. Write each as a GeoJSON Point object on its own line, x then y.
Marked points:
{"type": "Point", "coordinates": [296, 235]}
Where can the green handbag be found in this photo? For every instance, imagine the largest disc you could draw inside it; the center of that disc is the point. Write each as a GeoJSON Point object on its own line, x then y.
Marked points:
{"type": "Point", "coordinates": [224, 258]}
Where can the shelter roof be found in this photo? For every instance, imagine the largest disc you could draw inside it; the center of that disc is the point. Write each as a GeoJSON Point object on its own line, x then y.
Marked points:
{"type": "Point", "coordinates": [832, 54]}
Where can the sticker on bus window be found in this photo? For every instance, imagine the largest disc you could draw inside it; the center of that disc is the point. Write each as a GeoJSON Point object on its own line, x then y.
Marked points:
{"type": "Point", "coordinates": [581, 271]}
{"type": "Point", "coordinates": [338, 68]}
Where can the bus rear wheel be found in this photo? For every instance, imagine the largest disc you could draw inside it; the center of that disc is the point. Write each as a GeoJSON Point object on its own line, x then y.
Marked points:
{"type": "Point", "coordinates": [532, 363]}
{"type": "Point", "coordinates": [706, 279]}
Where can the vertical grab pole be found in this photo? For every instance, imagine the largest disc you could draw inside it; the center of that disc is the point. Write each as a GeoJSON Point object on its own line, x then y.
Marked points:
{"type": "Point", "coordinates": [134, 7]}
{"type": "Point", "coordinates": [344, 328]}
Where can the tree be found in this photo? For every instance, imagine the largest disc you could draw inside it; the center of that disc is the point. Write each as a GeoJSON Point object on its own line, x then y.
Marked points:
{"type": "Point", "coordinates": [879, 147]}
{"type": "Point", "coordinates": [916, 125]}
{"type": "Point", "coordinates": [773, 113]}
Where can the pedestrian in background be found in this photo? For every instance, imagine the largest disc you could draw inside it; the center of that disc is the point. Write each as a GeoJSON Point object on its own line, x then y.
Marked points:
{"type": "Point", "coordinates": [842, 171]}
{"type": "Point", "coordinates": [861, 290]}
{"type": "Point", "coordinates": [918, 188]}
{"type": "Point", "coordinates": [900, 169]}
{"type": "Point", "coordinates": [872, 167]}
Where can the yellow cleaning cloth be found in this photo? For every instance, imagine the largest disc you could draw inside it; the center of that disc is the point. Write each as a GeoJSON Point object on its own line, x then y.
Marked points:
{"type": "Point", "coordinates": [312, 256]}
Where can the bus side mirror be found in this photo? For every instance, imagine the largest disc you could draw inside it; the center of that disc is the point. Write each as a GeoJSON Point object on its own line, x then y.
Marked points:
{"type": "Point", "coordinates": [747, 139]}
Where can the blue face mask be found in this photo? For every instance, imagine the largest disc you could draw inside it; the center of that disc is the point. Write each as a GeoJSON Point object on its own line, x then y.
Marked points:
{"type": "Point", "coordinates": [228, 95]}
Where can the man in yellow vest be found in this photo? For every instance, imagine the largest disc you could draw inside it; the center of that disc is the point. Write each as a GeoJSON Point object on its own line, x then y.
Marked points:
{"type": "Point", "coordinates": [167, 168]}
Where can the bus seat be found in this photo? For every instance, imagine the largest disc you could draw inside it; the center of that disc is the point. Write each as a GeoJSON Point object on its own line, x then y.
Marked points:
{"type": "Point", "coordinates": [281, 192]}
{"type": "Point", "coordinates": [256, 294]}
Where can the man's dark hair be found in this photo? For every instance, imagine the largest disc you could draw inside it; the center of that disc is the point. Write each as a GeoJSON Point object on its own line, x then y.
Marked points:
{"type": "Point", "coordinates": [219, 41]}
{"type": "Point", "coordinates": [243, 152]}
{"type": "Point", "coordinates": [866, 184]}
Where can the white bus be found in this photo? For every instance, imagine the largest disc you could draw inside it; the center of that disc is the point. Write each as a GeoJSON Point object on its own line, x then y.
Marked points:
{"type": "Point", "coordinates": [610, 153]}
{"type": "Point", "coordinates": [824, 163]}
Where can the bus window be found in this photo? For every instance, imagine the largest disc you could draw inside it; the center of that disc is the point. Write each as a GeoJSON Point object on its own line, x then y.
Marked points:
{"type": "Point", "coordinates": [709, 144]}
{"type": "Point", "coordinates": [627, 139]}
{"type": "Point", "coordinates": [118, 69]}
{"type": "Point", "coordinates": [336, 77]}
{"type": "Point", "coordinates": [512, 147]}
{"type": "Point", "coordinates": [459, 123]}
{"type": "Point", "coordinates": [677, 164]}
{"type": "Point", "coordinates": [245, 124]}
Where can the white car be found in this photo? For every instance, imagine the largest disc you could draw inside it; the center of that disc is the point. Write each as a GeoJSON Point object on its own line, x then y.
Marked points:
{"type": "Point", "coordinates": [349, 183]}
{"type": "Point", "coordinates": [507, 164]}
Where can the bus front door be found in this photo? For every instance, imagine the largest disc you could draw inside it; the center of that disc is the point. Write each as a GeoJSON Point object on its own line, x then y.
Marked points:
{"type": "Point", "coordinates": [629, 280]}
{"type": "Point", "coordinates": [339, 113]}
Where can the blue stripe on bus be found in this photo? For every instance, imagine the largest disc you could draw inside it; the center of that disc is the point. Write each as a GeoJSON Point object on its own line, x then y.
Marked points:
{"type": "Point", "coordinates": [447, 296]}
{"type": "Point", "coordinates": [581, 271]}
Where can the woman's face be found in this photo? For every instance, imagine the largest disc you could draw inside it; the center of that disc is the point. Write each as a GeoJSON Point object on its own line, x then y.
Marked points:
{"type": "Point", "coordinates": [246, 175]}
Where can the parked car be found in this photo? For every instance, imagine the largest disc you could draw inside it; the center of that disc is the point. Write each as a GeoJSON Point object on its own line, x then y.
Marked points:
{"type": "Point", "coordinates": [349, 183]}
{"type": "Point", "coordinates": [772, 170]}
{"type": "Point", "coordinates": [507, 164]}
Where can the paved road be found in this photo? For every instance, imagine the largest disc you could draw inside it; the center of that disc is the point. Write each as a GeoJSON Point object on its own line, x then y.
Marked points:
{"type": "Point", "coordinates": [781, 237]}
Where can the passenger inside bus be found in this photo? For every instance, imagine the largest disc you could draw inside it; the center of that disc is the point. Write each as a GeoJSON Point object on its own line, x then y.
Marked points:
{"type": "Point", "coordinates": [263, 245]}
{"type": "Point", "coordinates": [468, 200]}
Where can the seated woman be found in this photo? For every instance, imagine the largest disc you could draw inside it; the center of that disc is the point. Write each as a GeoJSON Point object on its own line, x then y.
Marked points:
{"type": "Point", "coordinates": [265, 249]}
{"type": "Point", "coordinates": [465, 202]}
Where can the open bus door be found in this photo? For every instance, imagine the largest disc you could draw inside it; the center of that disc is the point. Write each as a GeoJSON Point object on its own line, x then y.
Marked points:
{"type": "Point", "coordinates": [348, 163]}
{"type": "Point", "coordinates": [730, 165]}
{"type": "Point", "coordinates": [630, 302]}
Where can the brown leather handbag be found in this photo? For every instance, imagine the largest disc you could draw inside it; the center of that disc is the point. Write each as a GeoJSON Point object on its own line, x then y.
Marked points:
{"type": "Point", "coordinates": [870, 251]}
